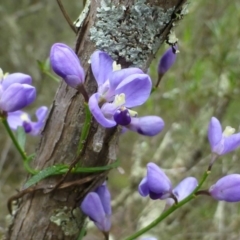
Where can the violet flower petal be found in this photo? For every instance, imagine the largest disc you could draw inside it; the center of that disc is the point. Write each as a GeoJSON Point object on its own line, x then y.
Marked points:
{"type": "Point", "coordinates": [137, 89]}
{"type": "Point", "coordinates": [122, 117]}
{"type": "Point", "coordinates": [231, 143]}
{"type": "Point", "coordinates": [66, 64]}
{"type": "Point", "coordinates": [148, 125]}
{"type": "Point", "coordinates": [97, 112]}
{"type": "Point", "coordinates": [157, 180]}
{"type": "Point", "coordinates": [116, 77]}
{"type": "Point", "coordinates": [105, 198]}
{"type": "Point", "coordinates": [105, 224]}
{"type": "Point", "coordinates": [16, 78]}
{"type": "Point", "coordinates": [167, 60]}
{"type": "Point", "coordinates": [183, 189]}
{"type": "Point", "coordinates": [41, 115]}
{"type": "Point", "coordinates": [92, 207]}
{"type": "Point", "coordinates": [20, 118]}
{"type": "Point", "coordinates": [14, 119]}
{"type": "Point", "coordinates": [28, 127]}
{"type": "Point", "coordinates": [143, 187]}
{"type": "Point", "coordinates": [17, 96]}
{"type": "Point", "coordinates": [226, 188]}
{"type": "Point", "coordinates": [101, 64]}
{"type": "Point", "coordinates": [214, 132]}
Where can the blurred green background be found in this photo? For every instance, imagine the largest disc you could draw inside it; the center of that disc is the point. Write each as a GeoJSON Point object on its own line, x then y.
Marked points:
{"type": "Point", "coordinates": [204, 82]}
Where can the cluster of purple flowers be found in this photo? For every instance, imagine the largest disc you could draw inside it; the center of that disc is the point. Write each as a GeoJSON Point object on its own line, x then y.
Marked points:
{"type": "Point", "coordinates": [158, 186]}
{"type": "Point", "coordinates": [223, 142]}
{"type": "Point", "coordinates": [16, 92]}
{"type": "Point", "coordinates": [119, 90]}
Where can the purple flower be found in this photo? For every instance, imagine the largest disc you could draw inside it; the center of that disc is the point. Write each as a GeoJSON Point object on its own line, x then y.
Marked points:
{"type": "Point", "coordinates": [15, 92]}
{"type": "Point", "coordinates": [148, 125]}
{"type": "Point", "coordinates": [156, 184]}
{"type": "Point", "coordinates": [117, 90]}
{"type": "Point", "coordinates": [226, 188]}
{"type": "Point", "coordinates": [22, 119]}
{"type": "Point", "coordinates": [183, 189]}
{"type": "Point", "coordinates": [167, 60]}
{"type": "Point", "coordinates": [97, 206]}
{"type": "Point", "coordinates": [222, 142]}
{"type": "Point", "coordinates": [66, 64]}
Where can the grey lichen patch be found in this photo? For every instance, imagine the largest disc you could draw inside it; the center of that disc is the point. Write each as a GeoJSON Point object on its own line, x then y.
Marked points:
{"type": "Point", "coordinates": [67, 220]}
{"type": "Point", "coordinates": [132, 33]}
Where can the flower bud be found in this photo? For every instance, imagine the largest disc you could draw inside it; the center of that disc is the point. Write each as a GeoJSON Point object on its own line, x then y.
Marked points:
{"type": "Point", "coordinates": [16, 97]}
{"type": "Point", "coordinates": [226, 188]}
{"type": "Point", "coordinates": [97, 206]}
{"type": "Point", "coordinates": [167, 60]}
{"type": "Point", "coordinates": [156, 184]}
{"type": "Point", "coordinates": [148, 125]}
{"type": "Point", "coordinates": [66, 64]}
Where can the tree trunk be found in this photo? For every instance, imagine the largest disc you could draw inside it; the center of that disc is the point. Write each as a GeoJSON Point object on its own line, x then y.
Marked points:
{"type": "Point", "coordinates": [142, 26]}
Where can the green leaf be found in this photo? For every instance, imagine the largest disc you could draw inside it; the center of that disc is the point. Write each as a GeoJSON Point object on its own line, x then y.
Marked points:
{"type": "Point", "coordinates": [45, 68]}
{"type": "Point", "coordinates": [50, 171]}
{"type": "Point", "coordinates": [21, 137]}
{"type": "Point", "coordinates": [96, 169]}
{"type": "Point", "coordinates": [62, 168]}
{"type": "Point", "coordinates": [41, 65]}
{"type": "Point", "coordinates": [27, 166]}
{"type": "Point", "coordinates": [83, 231]}
{"type": "Point", "coordinates": [85, 129]}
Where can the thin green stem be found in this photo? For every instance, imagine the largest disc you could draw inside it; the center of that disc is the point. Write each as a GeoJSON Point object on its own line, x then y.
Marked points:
{"type": "Point", "coordinates": [29, 169]}
{"type": "Point", "coordinates": [51, 76]}
{"type": "Point", "coordinates": [26, 159]}
{"type": "Point", "coordinates": [14, 140]}
{"type": "Point", "coordinates": [170, 210]}
{"type": "Point", "coordinates": [83, 231]}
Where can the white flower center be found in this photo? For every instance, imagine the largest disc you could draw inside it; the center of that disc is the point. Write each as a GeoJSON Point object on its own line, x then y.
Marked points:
{"type": "Point", "coordinates": [24, 117]}
{"type": "Point", "coordinates": [119, 100]}
{"type": "Point", "coordinates": [116, 66]}
{"type": "Point", "coordinates": [132, 113]}
{"type": "Point", "coordinates": [228, 131]}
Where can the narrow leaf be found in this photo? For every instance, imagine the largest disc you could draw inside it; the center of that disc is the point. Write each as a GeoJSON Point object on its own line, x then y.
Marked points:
{"type": "Point", "coordinates": [96, 169]}
{"type": "Point", "coordinates": [21, 137]}
{"type": "Point", "coordinates": [85, 129]}
{"type": "Point", "coordinates": [50, 171]}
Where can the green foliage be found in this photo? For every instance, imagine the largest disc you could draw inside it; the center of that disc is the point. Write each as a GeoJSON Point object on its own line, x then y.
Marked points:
{"type": "Point", "coordinates": [21, 137]}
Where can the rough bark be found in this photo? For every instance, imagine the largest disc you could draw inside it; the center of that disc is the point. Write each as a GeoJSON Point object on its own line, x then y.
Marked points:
{"type": "Point", "coordinates": [49, 215]}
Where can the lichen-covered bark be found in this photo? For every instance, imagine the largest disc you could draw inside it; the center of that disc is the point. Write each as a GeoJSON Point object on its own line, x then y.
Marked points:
{"type": "Point", "coordinates": [49, 215]}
